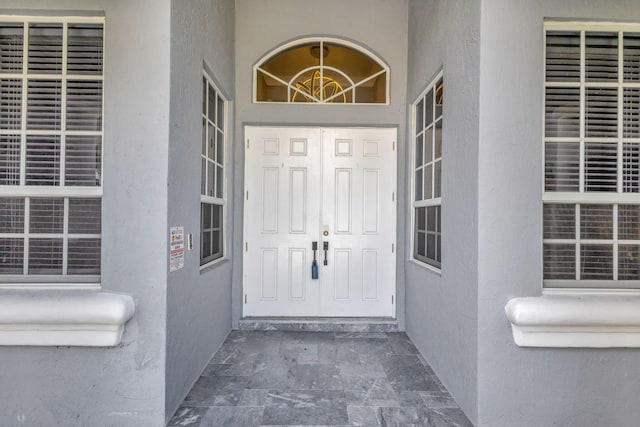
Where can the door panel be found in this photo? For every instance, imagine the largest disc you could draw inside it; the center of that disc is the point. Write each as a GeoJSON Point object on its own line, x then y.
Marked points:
{"type": "Point", "coordinates": [282, 207]}
{"type": "Point", "coordinates": [358, 212]}
{"type": "Point", "coordinates": [302, 183]}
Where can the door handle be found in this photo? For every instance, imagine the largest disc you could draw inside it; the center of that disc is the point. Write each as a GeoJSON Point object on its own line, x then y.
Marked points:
{"type": "Point", "coordinates": [314, 265]}
{"type": "Point", "coordinates": [325, 247]}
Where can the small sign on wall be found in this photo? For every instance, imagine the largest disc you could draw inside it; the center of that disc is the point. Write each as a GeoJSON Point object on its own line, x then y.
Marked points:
{"type": "Point", "coordinates": [176, 248]}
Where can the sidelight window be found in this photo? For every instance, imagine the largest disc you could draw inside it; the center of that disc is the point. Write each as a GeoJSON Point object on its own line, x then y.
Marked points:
{"type": "Point", "coordinates": [592, 156]}
{"type": "Point", "coordinates": [212, 188]}
{"type": "Point", "coordinates": [427, 175]}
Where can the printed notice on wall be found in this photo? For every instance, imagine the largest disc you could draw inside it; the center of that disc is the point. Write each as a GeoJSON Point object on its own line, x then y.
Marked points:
{"type": "Point", "coordinates": [176, 249]}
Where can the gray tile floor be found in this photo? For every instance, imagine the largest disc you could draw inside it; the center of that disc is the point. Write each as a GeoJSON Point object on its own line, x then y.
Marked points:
{"type": "Point", "coordinates": [278, 378]}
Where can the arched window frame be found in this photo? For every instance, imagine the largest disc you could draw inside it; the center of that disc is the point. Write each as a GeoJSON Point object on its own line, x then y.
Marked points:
{"type": "Point", "coordinates": [321, 40]}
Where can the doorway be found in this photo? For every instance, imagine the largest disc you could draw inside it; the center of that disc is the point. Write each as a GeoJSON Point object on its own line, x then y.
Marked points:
{"type": "Point", "coordinates": [332, 186]}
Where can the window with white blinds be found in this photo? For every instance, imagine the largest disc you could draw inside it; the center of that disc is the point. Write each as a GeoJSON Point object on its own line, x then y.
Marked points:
{"type": "Point", "coordinates": [51, 108]}
{"type": "Point", "coordinates": [212, 187]}
{"type": "Point", "coordinates": [427, 174]}
{"type": "Point", "coordinates": [592, 156]}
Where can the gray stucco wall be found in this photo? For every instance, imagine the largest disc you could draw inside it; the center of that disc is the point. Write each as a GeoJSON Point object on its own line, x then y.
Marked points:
{"type": "Point", "coordinates": [524, 386]}
{"type": "Point", "coordinates": [379, 25]}
{"type": "Point", "coordinates": [198, 302]}
{"type": "Point", "coordinates": [123, 386]}
{"type": "Point", "coordinates": [442, 309]}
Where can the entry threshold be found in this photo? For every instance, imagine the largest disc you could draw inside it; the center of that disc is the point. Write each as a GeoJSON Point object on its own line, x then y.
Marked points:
{"type": "Point", "coordinates": [319, 324]}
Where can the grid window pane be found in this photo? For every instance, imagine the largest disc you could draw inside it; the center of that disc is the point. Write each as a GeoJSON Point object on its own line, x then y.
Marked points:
{"type": "Point", "coordinates": [220, 148]}
{"type": "Point", "coordinates": [428, 145]}
{"type": "Point", "coordinates": [421, 214]}
{"type": "Point", "coordinates": [631, 113]}
{"type": "Point", "coordinates": [596, 222]}
{"type": "Point", "coordinates": [45, 48]}
{"type": "Point", "coordinates": [601, 51]}
{"type": "Point", "coordinates": [420, 245]}
{"type": "Point", "coordinates": [219, 183]}
{"type": "Point", "coordinates": [559, 261]}
{"type": "Point", "coordinates": [630, 168]}
{"type": "Point", "coordinates": [83, 160]}
{"type": "Point", "coordinates": [10, 104]}
{"type": "Point", "coordinates": [428, 108]}
{"type": "Point", "coordinates": [439, 98]}
{"type": "Point", "coordinates": [562, 166]}
{"type": "Point", "coordinates": [9, 159]}
{"type": "Point", "coordinates": [601, 166]}
{"type": "Point", "coordinates": [428, 182]}
{"type": "Point", "coordinates": [46, 216]}
{"type": "Point", "coordinates": [601, 115]}
{"type": "Point", "coordinates": [11, 46]}
{"type": "Point", "coordinates": [629, 262]}
{"type": "Point", "coordinates": [220, 114]}
{"type": "Point", "coordinates": [419, 150]}
{"type": "Point", "coordinates": [84, 105]}
{"type": "Point", "coordinates": [437, 179]}
{"type": "Point", "coordinates": [84, 256]}
{"type": "Point", "coordinates": [596, 262]}
{"type": "Point", "coordinates": [44, 104]}
{"type": "Point", "coordinates": [629, 222]}
{"type": "Point", "coordinates": [559, 221]}
{"type": "Point", "coordinates": [419, 119]}
{"type": "Point", "coordinates": [632, 57]}
{"type": "Point", "coordinates": [45, 256]}
{"type": "Point", "coordinates": [11, 215]}
{"type": "Point", "coordinates": [211, 176]}
{"type": "Point", "coordinates": [203, 177]}
{"type": "Point", "coordinates": [418, 184]}
{"type": "Point", "coordinates": [85, 216]}
{"type": "Point", "coordinates": [85, 48]}
{"type": "Point", "coordinates": [437, 150]}
{"type": "Point", "coordinates": [562, 112]}
{"type": "Point", "coordinates": [563, 56]}
{"type": "Point", "coordinates": [43, 160]}
{"type": "Point", "coordinates": [431, 246]}
{"type": "Point", "coordinates": [211, 109]}
{"type": "Point", "coordinates": [11, 256]}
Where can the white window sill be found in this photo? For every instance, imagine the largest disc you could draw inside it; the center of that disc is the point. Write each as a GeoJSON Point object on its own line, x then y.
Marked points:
{"type": "Point", "coordinates": [63, 318]}
{"type": "Point", "coordinates": [572, 319]}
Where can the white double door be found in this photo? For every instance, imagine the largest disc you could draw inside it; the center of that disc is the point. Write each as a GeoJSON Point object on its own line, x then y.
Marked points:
{"type": "Point", "coordinates": [333, 186]}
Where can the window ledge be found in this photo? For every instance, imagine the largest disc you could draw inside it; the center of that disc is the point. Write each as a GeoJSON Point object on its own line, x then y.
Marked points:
{"type": "Point", "coordinates": [63, 318]}
{"type": "Point", "coordinates": [574, 320]}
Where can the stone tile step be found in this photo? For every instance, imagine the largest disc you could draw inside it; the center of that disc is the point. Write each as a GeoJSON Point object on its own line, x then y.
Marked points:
{"type": "Point", "coordinates": [319, 324]}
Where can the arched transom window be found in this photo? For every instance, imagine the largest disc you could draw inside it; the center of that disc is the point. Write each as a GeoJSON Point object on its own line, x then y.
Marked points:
{"type": "Point", "coordinates": [321, 70]}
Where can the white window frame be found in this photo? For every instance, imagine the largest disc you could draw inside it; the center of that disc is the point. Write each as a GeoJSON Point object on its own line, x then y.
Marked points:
{"type": "Point", "coordinates": [58, 191]}
{"type": "Point", "coordinates": [321, 40]}
{"type": "Point", "coordinates": [433, 201]}
{"type": "Point", "coordinates": [581, 197]}
{"type": "Point", "coordinates": [208, 199]}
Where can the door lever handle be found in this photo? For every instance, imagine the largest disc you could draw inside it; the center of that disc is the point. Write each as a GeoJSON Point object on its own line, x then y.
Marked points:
{"type": "Point", "coordinates": [325, 247]}
{"type": "Point", "coordinates": [314, 265]}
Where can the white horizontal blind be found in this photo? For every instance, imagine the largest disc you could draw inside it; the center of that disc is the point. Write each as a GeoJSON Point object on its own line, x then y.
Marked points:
{"type": "Point", "coordinates": [427, 174]}
{"type": "Point", "coordinates": [592, 156]}
{"type": "Point", "coordinates": [51, 108]}
{"type": "Point", "coordinates": [212, 198]}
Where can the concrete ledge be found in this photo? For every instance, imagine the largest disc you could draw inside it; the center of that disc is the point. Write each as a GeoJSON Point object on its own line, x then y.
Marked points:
{"type": "Point", "coordinates": [575, 321]}
{"type": "Point", "coordinates": [67, 318]}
